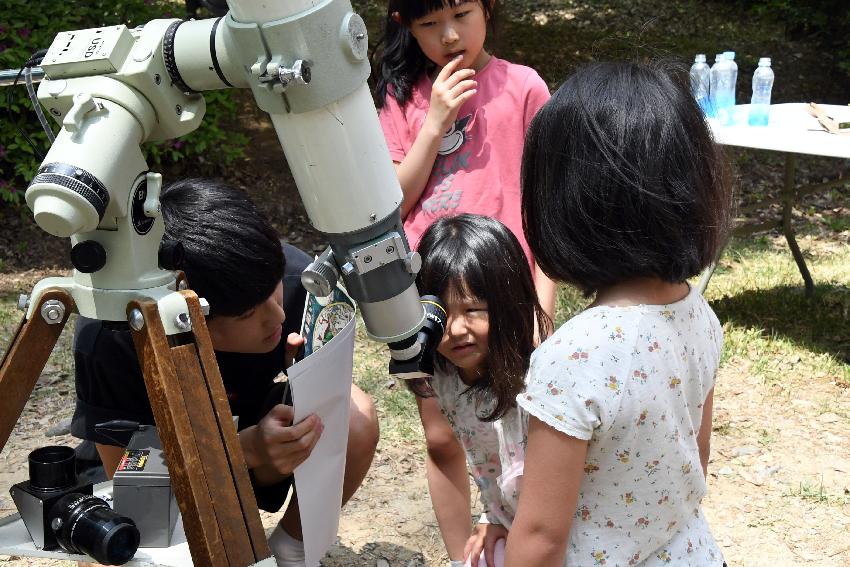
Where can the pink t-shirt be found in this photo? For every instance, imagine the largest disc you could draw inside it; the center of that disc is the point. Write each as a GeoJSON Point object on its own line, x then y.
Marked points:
{"type": "Point", "coordinates": [477, 169]}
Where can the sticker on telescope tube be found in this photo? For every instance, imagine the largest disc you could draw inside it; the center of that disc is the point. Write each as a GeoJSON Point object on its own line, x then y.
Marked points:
{"type": "Point", "coordinates": [141, 222]}
{"type": "Point", "coordinates": [324, 318]}
{"type": "Point", "coordinates": [134, 460]}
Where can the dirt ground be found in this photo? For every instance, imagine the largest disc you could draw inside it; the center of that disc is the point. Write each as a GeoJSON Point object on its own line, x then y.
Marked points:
{"type": "Point", "coordinates": [779, 478]}
{"type": "Point", "coordinates": [779, 472]}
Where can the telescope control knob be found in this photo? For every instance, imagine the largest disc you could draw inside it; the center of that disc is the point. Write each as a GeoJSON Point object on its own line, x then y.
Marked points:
{"type": "Point", "coordinates": [320, 277]}
{"type": "Point", "coordinates": [171, 255]}
{"type": "Point", "coordinates": [88, 256]}
{"type": "Point", "coordinates": [83, 104]}
{"type": "Point", "coordinates": [281, 77]}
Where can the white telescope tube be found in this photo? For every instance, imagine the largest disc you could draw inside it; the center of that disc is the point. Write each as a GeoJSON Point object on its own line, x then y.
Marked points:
{"type": "Point", "coordinates": [340, 162]}
{"type": "Point", "coordinates": [345, 176]}
{"type": "Point", "coordinates": [337, 154]}
{"type": "Point", "coordinates": [267, 10]}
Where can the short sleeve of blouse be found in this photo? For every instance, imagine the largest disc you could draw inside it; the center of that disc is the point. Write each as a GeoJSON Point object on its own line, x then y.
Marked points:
{"type": "Point", "coordinates": [576, 377]}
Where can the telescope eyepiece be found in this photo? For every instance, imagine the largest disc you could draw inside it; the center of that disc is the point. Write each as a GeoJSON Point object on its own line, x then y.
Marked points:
{"type": "Point", "coordinates": [413, 357]}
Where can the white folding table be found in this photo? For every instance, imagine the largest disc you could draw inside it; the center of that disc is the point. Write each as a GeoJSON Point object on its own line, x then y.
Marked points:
{"type": "Point", "coordinates": [792, 131]}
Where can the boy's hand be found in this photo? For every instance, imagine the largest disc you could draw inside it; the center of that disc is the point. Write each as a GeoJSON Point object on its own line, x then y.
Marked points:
{"type": "Point", "coordinates": [484, 536]}
{"type": "Point", "coordinates": [450, 90]}
{"type": "Point", "coordinates": [294, 344]}
{"type": "Point", "coordinates": [281, 445]}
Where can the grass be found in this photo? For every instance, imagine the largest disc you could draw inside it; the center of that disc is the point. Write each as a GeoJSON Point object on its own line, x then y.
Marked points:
{"type": "Point", "coordinates": [765, 437]}
{"type": "Point", "coordinates": [769, 322]}
{"type": "Point", "coordinates": [838, 224]}
{"type": "Point", "coordinates": [60, 366]}
{"type": "Point", "coordinates": [817, 494]}
{"type": "Point", "coordinates": [770, 326]}
{"type": "Point", "coordinates": [556, 36]}
{"type": "Point", "coordinates": [722, 428]}
{"type": "Point", "coordinates": [395, 404]}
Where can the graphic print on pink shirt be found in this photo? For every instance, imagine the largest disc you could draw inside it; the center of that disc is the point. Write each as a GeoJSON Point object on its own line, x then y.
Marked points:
{"type": "Point", "coordinates": [450, 158]}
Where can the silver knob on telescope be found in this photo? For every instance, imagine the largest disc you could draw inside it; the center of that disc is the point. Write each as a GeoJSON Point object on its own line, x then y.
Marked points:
{"type": "Point", "coordinates": [300, 73]}
{"type": "Point", "coordinates": [320, 277]}
{"type": "Point", "coordinates": [282, 77]}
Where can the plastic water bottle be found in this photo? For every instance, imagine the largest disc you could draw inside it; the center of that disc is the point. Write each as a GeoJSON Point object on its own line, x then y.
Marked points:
{"type": "Point", "coordinates": [714, 88]}
{"type": "Point", "coordinates": [730, 56]}
{"type": "Point", "coordinates": [762, 85]}
{"type": "Point", "coordinates": [723, 75]}
{"type": "Point", "coordinates": [700, 83]}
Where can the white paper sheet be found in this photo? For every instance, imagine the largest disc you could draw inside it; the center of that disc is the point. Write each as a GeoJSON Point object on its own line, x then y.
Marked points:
{"type": "Point", "coordinates": [321, 384]}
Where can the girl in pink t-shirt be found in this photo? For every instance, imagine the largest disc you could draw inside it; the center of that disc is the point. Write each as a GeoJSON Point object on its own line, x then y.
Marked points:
{"type": "Point", "coordinates": [455, 118]}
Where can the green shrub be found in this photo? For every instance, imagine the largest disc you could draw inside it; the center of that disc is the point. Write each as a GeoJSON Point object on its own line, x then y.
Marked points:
{"type": "Point", "coordinates": [28, 26]}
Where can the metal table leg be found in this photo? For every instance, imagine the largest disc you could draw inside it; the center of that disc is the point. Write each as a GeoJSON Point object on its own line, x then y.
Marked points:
{"type": "Point", "coordinates": [788, 197]}
{"type": "Point", "coordinates": [707, 273]}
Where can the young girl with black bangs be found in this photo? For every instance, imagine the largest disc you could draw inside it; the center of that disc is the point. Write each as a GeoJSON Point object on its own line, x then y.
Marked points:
{"type": "Point", "coordinates": [455, 117]}
{"type": "Point", "coordinates": [624, 196]}
{"type": "Point", "coordinates": [476, 265]}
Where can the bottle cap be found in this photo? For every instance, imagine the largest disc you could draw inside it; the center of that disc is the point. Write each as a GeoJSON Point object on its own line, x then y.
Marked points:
{"type": "Point", "coordinates": [729, 55]}
{"type": "Point", "coordinates": [700, 58]}
{"type": "Point", "coordinates": [764, 62]}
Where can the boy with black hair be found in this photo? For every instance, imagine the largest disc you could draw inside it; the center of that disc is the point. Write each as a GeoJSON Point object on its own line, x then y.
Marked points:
{"type": "Point", "coordinates": [234, 259]}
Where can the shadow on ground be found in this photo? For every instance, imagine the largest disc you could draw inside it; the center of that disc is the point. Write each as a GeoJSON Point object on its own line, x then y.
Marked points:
{"type": "Point", "coordinates": [820, 324]}
{"type": "Point", "coordinates": [371, 553]}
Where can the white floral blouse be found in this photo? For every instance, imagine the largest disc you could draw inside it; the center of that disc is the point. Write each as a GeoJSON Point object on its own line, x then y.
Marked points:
{"type": "Point", "coordinates": [494, 450]}
{"type": "Point", "coordinates": [632, 382]}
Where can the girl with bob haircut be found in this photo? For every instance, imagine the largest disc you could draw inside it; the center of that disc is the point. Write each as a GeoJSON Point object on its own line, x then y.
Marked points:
{"type": "Point", "coordinates": [455, 117]}
{"type": "Point", "coordinates": [625, 196]}
{"type": "Point", "coordinates": [476, 265]}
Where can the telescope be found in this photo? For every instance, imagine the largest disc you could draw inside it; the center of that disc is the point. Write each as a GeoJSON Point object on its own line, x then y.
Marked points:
{"type": "Point", "coordinates": [112, 89]}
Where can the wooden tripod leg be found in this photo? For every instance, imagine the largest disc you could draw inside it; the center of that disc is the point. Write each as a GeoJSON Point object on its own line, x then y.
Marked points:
{"type": "Point", "coordinates": [231, 448]}
{"type": "Point", "coordinates": [203, 479]}
{"type": "Point", "coordinates": [27, 355]}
